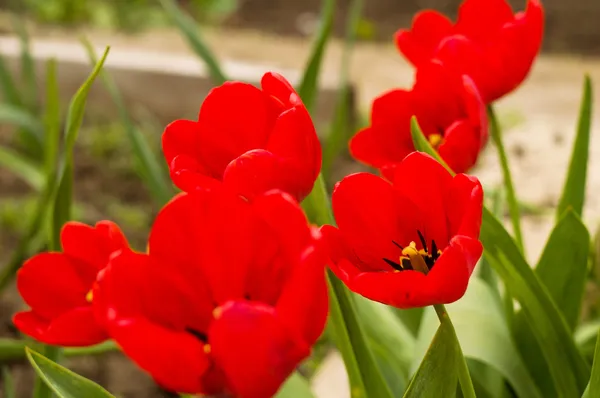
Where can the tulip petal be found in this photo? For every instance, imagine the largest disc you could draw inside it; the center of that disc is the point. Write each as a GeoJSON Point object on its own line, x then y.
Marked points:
{"type": "Point", "coordinates": [464, 205]}
{"type": "Point", "coordinates": [234, 118]}
{"type": "Point", "coordinates": [419, 43]}
{"type": "Point", "coordinates": [372, 216]}
{"type": "Point", "coordinates": [50, 284]}
{"type": "Point", "coordinates": [76, 328]}
{"type": "Point", "coordinates": [303, 304]}
{"type": "Point", "coordinates": [259, 170]}
{"type": "Point", "coordinates": [428, 193]}
{"type": "Point", "coordinates": [480, 20]}
{"type": "Point", "coordinates": [181, 138]}
{"type": "Point", "coordinates": [460, 147]}
{"type": "Point", "coordinates": [256, 351]}
{"type": "Point", "coordinates": [176, 360]}
{"type": "Point", "coordinates": [276, 85]}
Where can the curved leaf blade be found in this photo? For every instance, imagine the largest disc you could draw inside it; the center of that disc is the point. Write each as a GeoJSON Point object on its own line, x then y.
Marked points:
{"type": "Point", "coordinates": [22, 167]}
{"type": "Point", "coordinates": [593, 388]}
{"type": "Point", "coordinates": [295, 386]}
{"type": "Point", "coordinates": [63, 382]}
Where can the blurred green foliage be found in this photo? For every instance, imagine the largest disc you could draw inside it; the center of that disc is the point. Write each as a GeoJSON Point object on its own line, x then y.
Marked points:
{"type": "Point", "coordinates": [127, 15]}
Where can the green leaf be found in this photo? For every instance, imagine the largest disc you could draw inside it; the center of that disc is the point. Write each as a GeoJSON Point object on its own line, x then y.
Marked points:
{"type": "Point", "coordinates": [342, 126]}
{"type": "Point", "coordinates": [573, 194]}
{"type": "Point", "coordinates": [437, 375]}
{"type": "Point", "coordinates": [422, 144]}
{"type": "Point", "coordinates": [593, 387]}
{"type": "Point", "coordinates": [511, 197]}
{"type": "Point", "coordinates": [29, 125]}
{"type": "Point", "coordinates": [390, 340]}
{"type": "Point", "coordinates": [296, 386]}
{"type": "Point", "coordinates": [22, 167]}
{"type": "Point", "coordinates": [63, 382]}
{"type": "Point", "coordinates": [147, 163]}
{"type": "Point", "coordinates": [563, 265]}
{"type": "Point", "coordinates": [483, 336]}
{"type": "Point", "coordinates": [562, 269]}
{"type": "Point", "coordinates": [366, 379]}
{"type": "Point", "coordinates": [27, 65]}
{"type": "Point", "coordinates": [585, 337]}
{"type": "Point", "coordinates": [64, 194]}
{"type": "Point", "coordinates": [568, 369]}
{"type": "Point", "coordinates": [187, 26]}
{"type": "Point", "coordinates": [9, 385]}
{"type": "Point", "coordinates": [8, 88]}
{"type": "Point", "coordinates": [51, 118]}
{"type": "Point", "coordinates": [308, 85]}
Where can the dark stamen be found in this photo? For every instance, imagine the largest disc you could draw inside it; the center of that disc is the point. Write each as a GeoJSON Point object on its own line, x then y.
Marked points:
{"type": "Point", "coordinates": [422, 239]}
{"type": "Point", "coordinates": [434, 250]}
{"type": "Point", "coordinates": [406, 264]}
{"type": "Point", "coordinates": [397, 244]}
{"type": "Point", "coordinates": [199, 335]}
{"type": "Point", "coordinates": [394, 265]}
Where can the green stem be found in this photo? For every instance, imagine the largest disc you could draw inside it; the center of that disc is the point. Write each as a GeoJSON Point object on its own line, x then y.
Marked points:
{"type": "Point", "coordinates": [513, 205]}
{"type": "Point", "coordinates": [464, 378]}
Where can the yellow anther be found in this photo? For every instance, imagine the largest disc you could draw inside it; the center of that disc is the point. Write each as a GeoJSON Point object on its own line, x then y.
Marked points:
{"type": "Point", "coordinates": [89, 297]}
{"type": "Point", "coordinates": [435, 140]}
{"type": "Point", "coordinates": [217, 312]}
{"type": "Point", "coordinates": [207, 348]}
{"type": "Point", "coordinates": [416, 259]}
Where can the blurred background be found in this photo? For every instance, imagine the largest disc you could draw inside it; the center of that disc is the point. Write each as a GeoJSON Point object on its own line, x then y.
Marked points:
{"type": "Point", "coordinates": [160, 79]}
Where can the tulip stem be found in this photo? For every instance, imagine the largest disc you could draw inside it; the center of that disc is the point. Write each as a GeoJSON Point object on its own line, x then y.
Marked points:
{"type": "Point", "coordinates": [511, 198]}
{"type": "Point", "coordinates": [464, 377]}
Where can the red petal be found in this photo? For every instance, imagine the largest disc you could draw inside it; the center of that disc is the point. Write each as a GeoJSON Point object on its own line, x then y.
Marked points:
{"type": "Point", "coordinates": [258, 171]}
{"type": "Point", "coordinates": [461, 146]}
{"type": "Point", "coordinates": [482, 19]}
{"type": "Point", "coordinates": [276, 85]}
{"type": "Point", "coordinates": [76, 328]}
{"type": "Point", "coordinates": [371, 216]}
{"type": "Point", "coordinates": [181, 138]}
{"type": "Point", "coordinates": [175, 359]}
{"type": "Point", "coordinates": [50, 284]}
{"type": "Point", "coordinates": [31, 324]}
{"type": "Point", "coordinates": [424, 182]}
{"type": "Point", "coordinates": [388, 139]}
{"type": "Point", "coordinates": [475, 109]}
{"type": "Point", "coordinates": [294, 137]}
{"type": "Point", "coordinates": [254, 349]}
{"type": "Point", "coordinates": [464, 205]}
{"type": "Point", "coordinates": [419, 44]}
{"type": "Point", "coordinates": [234, 118]}
{"type": "Point", "coordinates": [445, 283]}
{"type": "Point", "coordinates": [189, 175]}
{"type": "Point", "coordinates": [303, 305]}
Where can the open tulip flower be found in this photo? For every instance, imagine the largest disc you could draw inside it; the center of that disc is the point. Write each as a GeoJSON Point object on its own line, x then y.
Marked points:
{"type": "Point", "coordinates": [59, 286]}
{"type": "Point", "coordinates": [488, 42]}
{"type": "Point", "coordinates": [251, 139]}
{"type": "Point", "coordinates": [229, 298]}
{"type": "Point", "coordinates": [449, 110]}
{"type": "Point", "coordinates": [406, 244]}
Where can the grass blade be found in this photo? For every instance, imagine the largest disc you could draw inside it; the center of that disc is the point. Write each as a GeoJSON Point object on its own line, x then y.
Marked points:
{"type": "Point", "coordinates": [593, 388]}
{"type": "Point", "coordinates": [8, 88]}
{"type": "Point", "coordinates": [188, 27]}
{"type": "Point", "coordinates": [342, 126]}
{"type": "Point", "coordinates": [9, 385]}
{"type": "Point", "coordinates": [51, 118]}
{"type": "Point", "coordinates": [147, 163]}
{"type": "Point", "coordinates": [26, 121]}
{"type": "Point", "coordinates": [573, 194]}
{"type": "Point", "coordinates": [308, 85]}
{"type": "Point", "coordinates": [22, 167]}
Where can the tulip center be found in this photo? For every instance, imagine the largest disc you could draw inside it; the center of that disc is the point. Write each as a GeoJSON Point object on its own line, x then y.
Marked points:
{"type": "Point", "coordinates": [89, 297]}
{"type": "Point", "coordinates": [435, 140]}
{"type": "Point", "coordinates": [414, 259]}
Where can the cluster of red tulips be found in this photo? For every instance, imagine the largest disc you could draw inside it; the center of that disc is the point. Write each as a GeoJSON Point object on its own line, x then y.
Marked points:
{"type": "Point", "coordinates": [231, 293]}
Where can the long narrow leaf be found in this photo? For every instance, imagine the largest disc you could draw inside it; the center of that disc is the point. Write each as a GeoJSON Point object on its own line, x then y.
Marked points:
{"type": "Point", "coordinates": [147, 163]}
{"type": "Point", "coordinates": [27, 65]}
{"type": "Point", "coordinates": [188, 27]}
{"type": "Point", "coordinates": [573, 194]}
{"type": "Point", "coordinates": [63, 382]}
{"type": "Point", "coordinates": [8, 88]}
{"type": "Point", "coordinates": [51, 117]}
{"type": "Point", "coordinates": [9, 385]}
{"type": "Point", "coordinates": [308, 85]}
{"type": "Point", "coordinates": [19, 117]}
{"type": "Point", "coordinates": [593, 388]}
{"type": "Point", "coordinates": [22, 167]}
{"type": "Point", "coordinates": [342, 123]}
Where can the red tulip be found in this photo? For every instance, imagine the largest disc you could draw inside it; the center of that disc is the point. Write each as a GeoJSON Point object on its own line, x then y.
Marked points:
{"type": "Point", "coordinates": [254, 140]}
{"type": "Point", "coordinates": [229, 299]}
{"type": "Point", "coordinates": [411, 243]}
{"type": "Point", "coordinates": [449, 110]}
{"type": "Point", "coordinates": [58, 286]}
{"type": "Point", "coordinates": [495, 47]}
